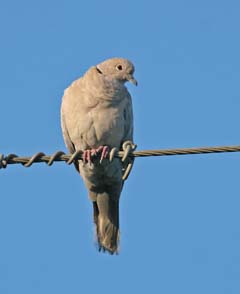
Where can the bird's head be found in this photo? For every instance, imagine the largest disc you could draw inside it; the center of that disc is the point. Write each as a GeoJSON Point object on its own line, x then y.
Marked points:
{"type": "Point", "coordinates": [117, 68]}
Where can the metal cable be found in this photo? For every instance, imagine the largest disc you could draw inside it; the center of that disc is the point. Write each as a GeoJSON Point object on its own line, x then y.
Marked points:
{"type": "Point", "coordinates": [71, 158]}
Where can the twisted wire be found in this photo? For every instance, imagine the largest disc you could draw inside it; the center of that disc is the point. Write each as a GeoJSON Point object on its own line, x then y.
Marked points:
{"type": "Point", "coordinates": [71, 158]}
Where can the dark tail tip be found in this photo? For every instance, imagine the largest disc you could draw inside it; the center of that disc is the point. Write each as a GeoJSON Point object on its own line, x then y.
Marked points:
{"type": "Point", "coordinates": [107, 231]}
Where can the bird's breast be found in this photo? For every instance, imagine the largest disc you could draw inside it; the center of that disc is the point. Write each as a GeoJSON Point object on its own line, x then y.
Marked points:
{"type": "Point", "coordinates": [107, 124]}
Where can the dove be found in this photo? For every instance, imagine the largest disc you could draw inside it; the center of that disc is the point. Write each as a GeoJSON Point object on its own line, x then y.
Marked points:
{"type": "Point", "coordinates": [96, 116]}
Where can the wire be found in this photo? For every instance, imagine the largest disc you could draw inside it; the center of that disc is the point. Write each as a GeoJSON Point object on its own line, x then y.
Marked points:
{"type": "Point", "coordinates": [71, 158]}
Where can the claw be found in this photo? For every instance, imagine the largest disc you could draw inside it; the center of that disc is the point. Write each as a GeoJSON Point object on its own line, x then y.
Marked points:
{"type": "Point", "coordinates": [87, 156]}
{"type": "Point", "coordinates": [105, 151]}
{"type": "Point", "coordinates": [89, 153]}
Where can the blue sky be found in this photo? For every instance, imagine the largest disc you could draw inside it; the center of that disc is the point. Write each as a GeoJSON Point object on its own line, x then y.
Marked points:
{"type": "Point", "coordinates": [179, 215]}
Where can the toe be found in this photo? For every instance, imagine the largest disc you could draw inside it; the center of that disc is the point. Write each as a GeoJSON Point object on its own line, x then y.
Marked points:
{"type": "Point", "coordinates": [104, 154]}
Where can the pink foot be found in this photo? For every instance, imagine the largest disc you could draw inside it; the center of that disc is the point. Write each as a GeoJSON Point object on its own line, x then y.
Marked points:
{"type": "Point", "coordinates": [89, 153]}
{"type": "Point", "coordinates": [104, 150]}
{"type": "Point", "coordinates": [87, 156]}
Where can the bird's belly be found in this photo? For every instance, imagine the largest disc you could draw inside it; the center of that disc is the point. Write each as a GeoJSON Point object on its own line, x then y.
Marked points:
{"type": "Point", "coordinates": [108, 128]}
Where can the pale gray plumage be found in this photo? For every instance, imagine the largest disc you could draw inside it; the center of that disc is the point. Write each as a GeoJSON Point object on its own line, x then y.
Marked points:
{"type": "Point", "coordinates": [97, 111]}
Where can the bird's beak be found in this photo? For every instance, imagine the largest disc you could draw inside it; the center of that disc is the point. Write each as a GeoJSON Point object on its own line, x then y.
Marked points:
{"type": "Point", "coordinates": [131, 79]}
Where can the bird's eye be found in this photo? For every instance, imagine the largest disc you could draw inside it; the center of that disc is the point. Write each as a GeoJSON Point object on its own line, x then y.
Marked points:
{"type": "Point", "coordinates": [119, 67]}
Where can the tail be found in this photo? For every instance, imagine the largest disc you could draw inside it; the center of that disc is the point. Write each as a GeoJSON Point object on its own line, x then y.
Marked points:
{"type": "Point", "coordinates": [106, 219]}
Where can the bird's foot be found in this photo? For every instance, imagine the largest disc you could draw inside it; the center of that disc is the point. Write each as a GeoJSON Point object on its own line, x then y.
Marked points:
{"type": "Point", "coordinates": [104, 152]}
{"type": "Point", "coordinates": [90, 153]}
{"type": "Point", "coordinates": [87, 156]}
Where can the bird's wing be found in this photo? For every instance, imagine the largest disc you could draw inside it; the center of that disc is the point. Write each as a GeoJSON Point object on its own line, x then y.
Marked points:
{"type": "Point", "coordinates": [128, 120]}
{"type": "Point", "coordinates": [66, 137]}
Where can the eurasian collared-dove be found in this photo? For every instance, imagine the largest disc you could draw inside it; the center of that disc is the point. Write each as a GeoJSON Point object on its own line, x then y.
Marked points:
{"type": "Point", "coordinates": [96, 115]}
